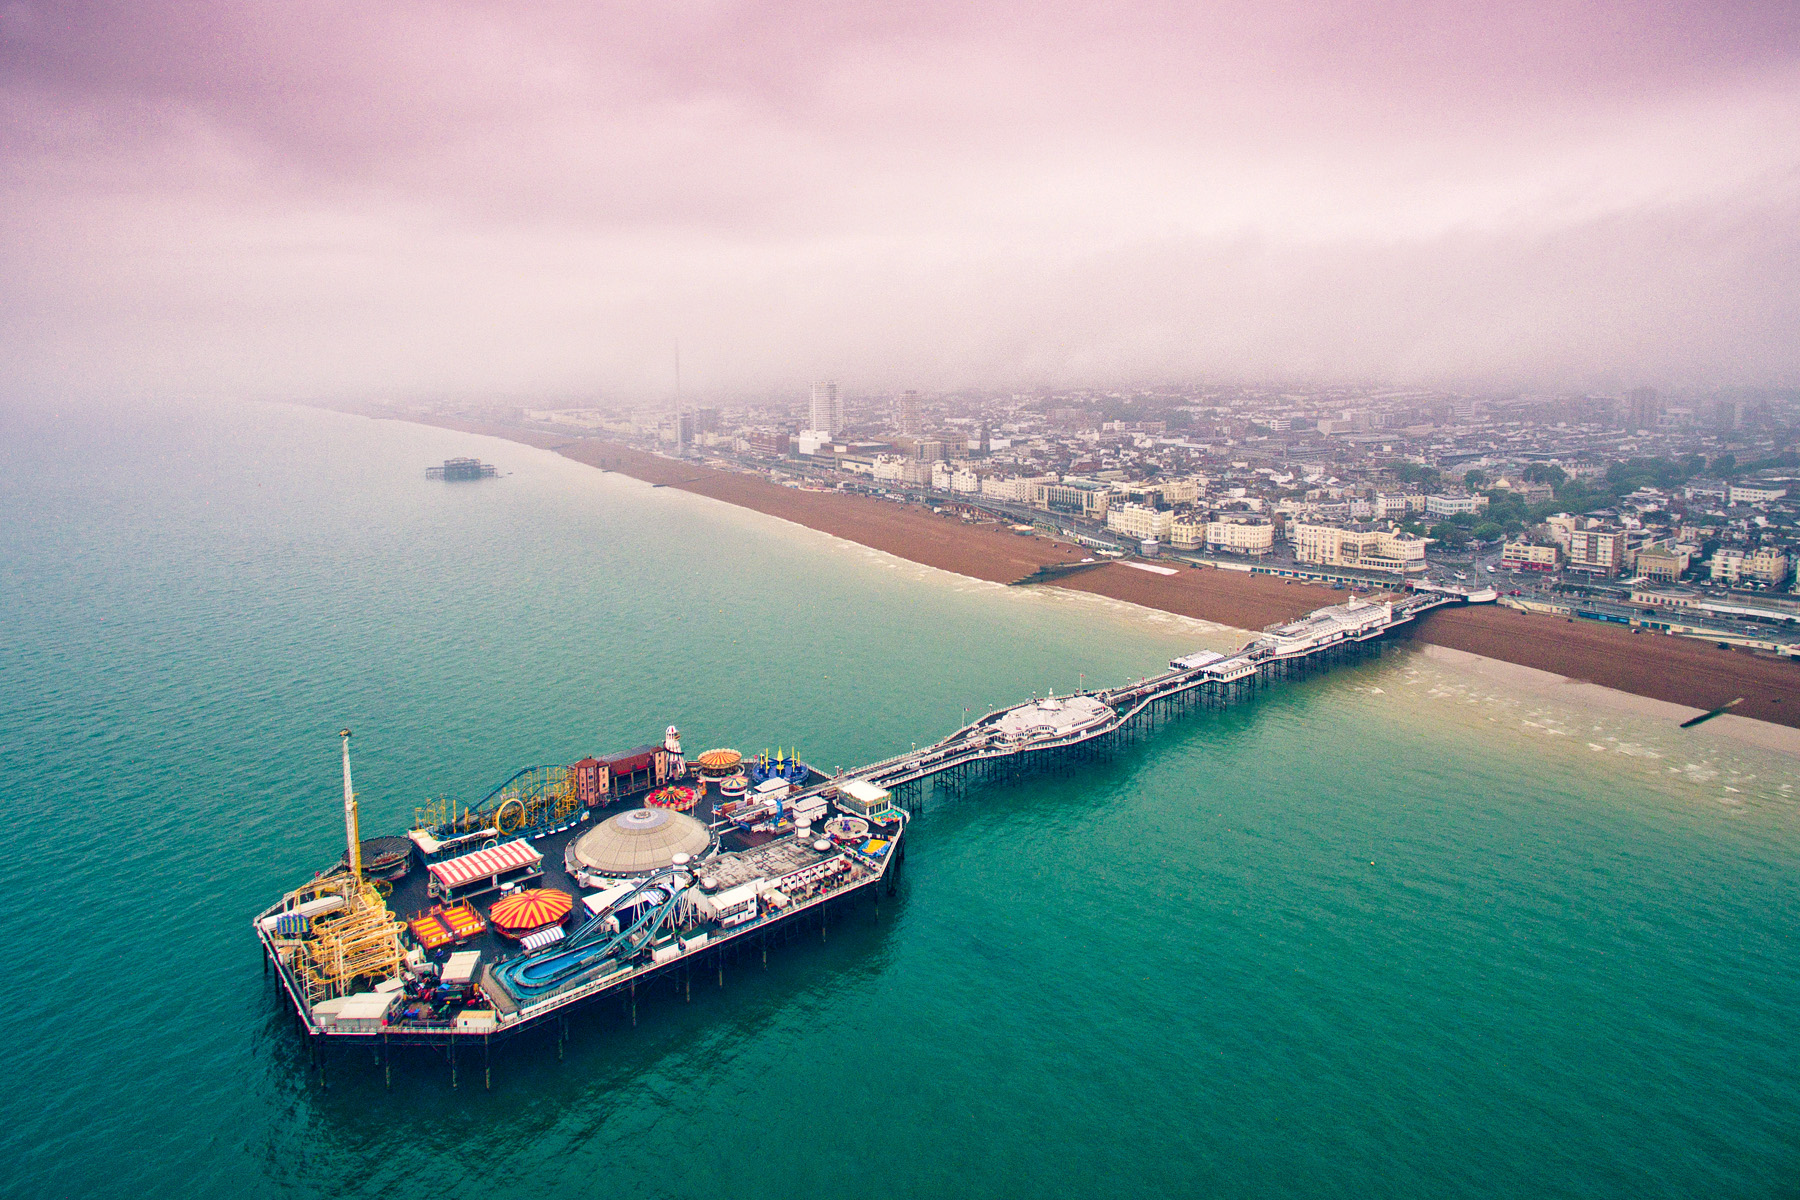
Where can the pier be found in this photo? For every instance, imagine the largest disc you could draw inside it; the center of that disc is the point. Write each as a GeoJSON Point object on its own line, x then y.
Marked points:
{"type": "Point", "coordinates": [462, 470]}
{"type": "Point", "coordinates": [1086, 720]}
{"type": "Point", "coordinates": [662, 896]}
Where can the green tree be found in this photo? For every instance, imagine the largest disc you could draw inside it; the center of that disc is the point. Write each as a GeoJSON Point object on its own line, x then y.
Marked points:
{"type": "Point", "coordinates": [1408, 472]}
{"type": "Point", "coordinates": [1475, 480]}
{"type": "Point", "coordinates": [1548, 473]}
{"type": "Point", "coordinates": [1487, 531]}
{"type": "Point", "coordinates": [1725, 465]}
{"type": "Point", "coordinates": [1507, 508]}
{"type": "Point", "coordinates": [1449, 535]}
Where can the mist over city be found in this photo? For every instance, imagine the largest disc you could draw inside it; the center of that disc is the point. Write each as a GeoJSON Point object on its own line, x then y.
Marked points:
{"type": "Point", "coordinates": [542, 202]}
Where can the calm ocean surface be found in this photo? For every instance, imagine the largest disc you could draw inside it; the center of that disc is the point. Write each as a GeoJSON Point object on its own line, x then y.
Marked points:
{"type": "Point", "coordinates": [1393, 932]}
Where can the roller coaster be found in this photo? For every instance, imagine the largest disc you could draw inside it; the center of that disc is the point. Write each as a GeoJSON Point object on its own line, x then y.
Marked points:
{"type": "Point", "coordinates": [530, 801]}
{"type": "Point", "coordinates": [593, 946]}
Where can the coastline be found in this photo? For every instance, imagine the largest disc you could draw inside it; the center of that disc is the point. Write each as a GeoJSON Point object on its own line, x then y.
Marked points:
{"type": "Point", "coordinates": [1693, 675]}
{"type": "Point", "coordinates": [1583, 695]}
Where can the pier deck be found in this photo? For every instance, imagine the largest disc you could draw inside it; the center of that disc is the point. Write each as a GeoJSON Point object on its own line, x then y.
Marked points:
{"type": "Point", "coordinates": [677, 915]}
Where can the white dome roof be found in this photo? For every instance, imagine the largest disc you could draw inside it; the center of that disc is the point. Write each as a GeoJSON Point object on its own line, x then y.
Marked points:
{"type": "Point", "coordinates": [640, 841]}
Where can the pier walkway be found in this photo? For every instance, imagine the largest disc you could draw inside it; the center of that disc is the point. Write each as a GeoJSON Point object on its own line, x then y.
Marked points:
{"type": "Point", "coordinates": [1204, 679]}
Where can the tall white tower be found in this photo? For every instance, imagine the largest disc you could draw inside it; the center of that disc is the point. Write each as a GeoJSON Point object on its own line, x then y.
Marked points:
{"type": "Point", "coordinates": [908, 414]}
{"type": "Point", "coordinates": [827, 414]}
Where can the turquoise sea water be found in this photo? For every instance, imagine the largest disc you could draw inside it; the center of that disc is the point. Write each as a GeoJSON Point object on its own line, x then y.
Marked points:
{"type": "Point", "coordinates": [1393, 932]}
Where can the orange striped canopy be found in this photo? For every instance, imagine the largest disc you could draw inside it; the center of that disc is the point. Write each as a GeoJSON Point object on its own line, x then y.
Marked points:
{"type": "Point", "coordinates": [531, 909]}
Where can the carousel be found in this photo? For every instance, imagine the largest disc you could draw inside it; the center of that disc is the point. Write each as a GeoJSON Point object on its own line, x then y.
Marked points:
{"type": "Point", "coordinates": [526, 912]}
{"type": "Point", "coordinates": [724, 769]}
{"type": "Point", "coordinates": [716, 765]}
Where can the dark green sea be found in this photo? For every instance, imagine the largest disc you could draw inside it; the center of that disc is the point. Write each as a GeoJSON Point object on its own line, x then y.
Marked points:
{"type": "Point", "coordinates": [1396, 931]}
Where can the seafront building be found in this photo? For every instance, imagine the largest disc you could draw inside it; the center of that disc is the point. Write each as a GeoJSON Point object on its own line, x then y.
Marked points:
{"type": "Point", "coordinates": [1386, 550]}
{"type": "Point", "coordinates": [1081, 498]}
{"type": "Point", "coordinates": [1765, 565]}
{"type": "Point", "coordinates": [1140, 521]}
{"type": "Point", "coordinates": [1528, 556]}
{"type": "Point", "coordinates": [1662, 561]}
{"type": "Point", "coordinates": [1596, 550]}
{"type": "Point", "coordinates": [1253, 537]}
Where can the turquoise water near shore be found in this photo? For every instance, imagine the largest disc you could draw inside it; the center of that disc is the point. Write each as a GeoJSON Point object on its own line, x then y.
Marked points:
{"type": "Point", "coordinates": [1393, 931]}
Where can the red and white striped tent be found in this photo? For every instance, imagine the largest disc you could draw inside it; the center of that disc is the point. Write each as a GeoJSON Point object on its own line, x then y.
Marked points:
{"type": "Point", "coordinates": [484, 864]}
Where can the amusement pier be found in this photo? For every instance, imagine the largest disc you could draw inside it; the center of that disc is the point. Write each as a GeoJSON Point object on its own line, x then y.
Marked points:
{"type": "Point", "coordinates": [568, 886]}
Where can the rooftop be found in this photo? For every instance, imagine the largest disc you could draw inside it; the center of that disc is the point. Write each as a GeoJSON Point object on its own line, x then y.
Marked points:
{"type": "Point", "coordinates": [1052, 717]}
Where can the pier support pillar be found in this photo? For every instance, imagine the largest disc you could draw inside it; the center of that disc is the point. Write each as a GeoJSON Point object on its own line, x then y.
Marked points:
{"type": "Point", "coordinates": [452, 1064]}
{"type": "Point", "coordinates": [487, 1070]}
{"type": "Point", "coordinates": [387, 1065]}
{"type": "Point", "coordinates": [634, 1006]}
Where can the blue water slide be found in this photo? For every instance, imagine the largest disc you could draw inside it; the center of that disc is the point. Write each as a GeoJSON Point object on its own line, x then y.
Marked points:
{"type": "Point", "coordinates": [591, 946]}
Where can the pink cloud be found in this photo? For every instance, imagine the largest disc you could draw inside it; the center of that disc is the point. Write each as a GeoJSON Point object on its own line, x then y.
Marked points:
{"type": "Point", "coordinates": [220, 196]}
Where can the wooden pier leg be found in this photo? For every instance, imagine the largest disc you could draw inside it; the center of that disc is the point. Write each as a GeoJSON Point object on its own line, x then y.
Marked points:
{"type": "Point", "coordinates": [453, 1063]}
{"type": "Point", "coordinates": [387, 1065]}
{"type": "Point", "coordinates": [487, 1070]}
{"type": "Point", "coordinates": [721, 960]}
{"type": "Point", "coordinates": [634, 1006]}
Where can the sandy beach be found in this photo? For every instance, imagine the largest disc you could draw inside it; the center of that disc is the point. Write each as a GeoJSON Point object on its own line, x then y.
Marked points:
{"type": "Point", "coordinates": [1679, 671]}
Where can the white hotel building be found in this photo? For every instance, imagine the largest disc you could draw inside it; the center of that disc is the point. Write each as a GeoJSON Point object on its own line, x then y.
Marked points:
{"type": "Point", "coordinates": [1361, 549]}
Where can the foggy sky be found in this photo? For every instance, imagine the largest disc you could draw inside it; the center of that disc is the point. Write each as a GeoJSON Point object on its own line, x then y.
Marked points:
{"type": "Point", "coordinates": [523, 200]}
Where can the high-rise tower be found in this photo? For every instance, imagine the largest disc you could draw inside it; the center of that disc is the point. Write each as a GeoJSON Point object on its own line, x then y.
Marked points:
{"type": "Point", "coordinates": [1643, 408]}
{"type": "Point", "coordinates": [827, 414]}
{"type": "Point", "coordinates": [907, 415]}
